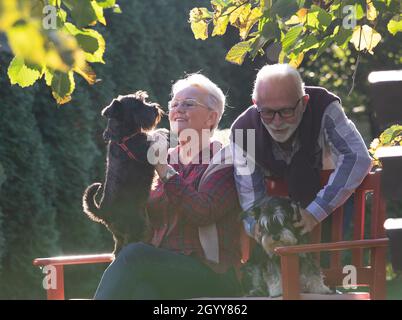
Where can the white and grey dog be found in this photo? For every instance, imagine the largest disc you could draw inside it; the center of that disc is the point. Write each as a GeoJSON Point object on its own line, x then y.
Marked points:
{"type": "Point", "coordinates": [275, 219]}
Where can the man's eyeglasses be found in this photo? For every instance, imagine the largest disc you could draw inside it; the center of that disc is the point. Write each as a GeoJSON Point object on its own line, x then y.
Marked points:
{"type": "Point", "coordinates": [284, 113]}
{"type": "Point", "coordinates": [186, 104]}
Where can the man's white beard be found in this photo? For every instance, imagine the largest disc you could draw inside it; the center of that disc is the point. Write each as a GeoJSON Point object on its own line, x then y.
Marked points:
{"type": "Point", "coordinates": [282, 137]}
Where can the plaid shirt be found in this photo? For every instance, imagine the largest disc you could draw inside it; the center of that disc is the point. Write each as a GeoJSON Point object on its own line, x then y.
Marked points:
{"type": "Point", "coordinates": [177, 208]}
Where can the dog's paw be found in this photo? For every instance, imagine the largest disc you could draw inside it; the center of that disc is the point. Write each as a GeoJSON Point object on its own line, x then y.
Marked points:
{"type": "Point", "coordinates": [314, 284]}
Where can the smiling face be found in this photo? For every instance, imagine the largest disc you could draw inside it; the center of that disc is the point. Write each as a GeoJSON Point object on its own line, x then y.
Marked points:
{"type": "Point", "coordinates": [278, 94]}
{"type": "Point", "coordinates": [191, 111]}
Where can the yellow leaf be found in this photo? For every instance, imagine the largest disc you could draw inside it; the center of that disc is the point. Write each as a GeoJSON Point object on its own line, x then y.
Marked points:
{"type": "Point", "coordinates": [87, 73]}
{"type": "Point", "coordinates": [63, 85]}
{"type": "Point", "coordinates": [365, 38]}
{"type": "Point", "coordinates": [54, 61]}
{"type": "Point", "coordinates": [99, 12]}
{"type": "Point", "coordinates": [200, 30]}
{"type": "Point", "coordinates": [246, 21]}
{"type": "Point", "coordinates": [395, 25]}
{"type": "Point", "coordinates": [297, 18]}
{"type": "Point", "coordinates": [371, 10]}
{"type": "Point", "coordinates": [220, 26]}
{"type": "Point", "coordinates": [297, 61]}
{"type": "Point", "coordinates": [241, 14]}
{"type": "Point", "coordinates": [8, 14]}
{"type": "Point", "coordinates": [26, 40]}
{"type": "Point", "coordinates": [238, 52]}
{"type": "Point", "coordinates": [198, 14]}
{"type": "Point", "coordinates": [234, 14]}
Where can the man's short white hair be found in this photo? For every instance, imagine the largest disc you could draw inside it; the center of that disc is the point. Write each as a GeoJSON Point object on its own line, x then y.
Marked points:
{"type": "Point", "coordinates": [215, 100]}
{"type": "Point", "coordinates": [279, 71]}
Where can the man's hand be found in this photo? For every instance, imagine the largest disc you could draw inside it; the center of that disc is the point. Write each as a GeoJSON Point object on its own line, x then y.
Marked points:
{"type": "Point", "coordinates": [307, 221]}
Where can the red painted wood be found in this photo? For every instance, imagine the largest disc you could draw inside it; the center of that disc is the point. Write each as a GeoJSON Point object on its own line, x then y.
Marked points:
{"type": "Point", "coordinates": [373, 275]}
{"type": "Point", "coordinates": [290, 277]}
{"type": "Point", "coordinates": [58, 292]}
{"type": "Point", "coordinates": [341, 245]}
{"type": "Point", "coordinates": [337, 234]}
{"type": "Point", "coordinates": [358, 230]}
{"type": "Point", "coordinates": [80, 259]}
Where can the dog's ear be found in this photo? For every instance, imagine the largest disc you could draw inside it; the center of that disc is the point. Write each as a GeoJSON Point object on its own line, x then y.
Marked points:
{"type": "Point", "coordinates": [112, 109]}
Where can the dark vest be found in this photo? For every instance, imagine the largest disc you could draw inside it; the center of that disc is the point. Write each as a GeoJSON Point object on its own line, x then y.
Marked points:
{"type": "Point", "coordinates": [303, 173]}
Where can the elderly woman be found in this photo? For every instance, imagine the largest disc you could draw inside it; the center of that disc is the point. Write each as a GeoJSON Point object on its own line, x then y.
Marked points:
{"type": "Point", "coordinates": [194, 212]}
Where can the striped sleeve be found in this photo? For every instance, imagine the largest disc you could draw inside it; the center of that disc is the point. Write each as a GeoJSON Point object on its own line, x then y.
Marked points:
{"type": "Point", "coordinates": [250, 185]}
{"type": "Point", "coordinates": [353, 161]}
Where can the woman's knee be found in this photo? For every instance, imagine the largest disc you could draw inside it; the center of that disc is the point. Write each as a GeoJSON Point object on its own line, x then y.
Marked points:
{"type": "Point", "coordinates": [134, 253]}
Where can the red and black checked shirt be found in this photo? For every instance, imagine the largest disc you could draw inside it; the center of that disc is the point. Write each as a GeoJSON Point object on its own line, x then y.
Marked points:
{"type": "Point", "coordinates": [177, 208]}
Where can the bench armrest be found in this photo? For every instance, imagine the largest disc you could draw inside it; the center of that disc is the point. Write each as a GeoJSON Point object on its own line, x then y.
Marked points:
{"type": "Point", "coordinates": [70, 260]}
{"type": "Point", "coordinates": [333, 246]}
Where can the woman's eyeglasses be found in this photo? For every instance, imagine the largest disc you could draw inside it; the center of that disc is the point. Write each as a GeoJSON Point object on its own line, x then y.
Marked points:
{"type": "Point", "coordinates": [186, 104]}
{"type": "Point", "coordinates": [284, 113]}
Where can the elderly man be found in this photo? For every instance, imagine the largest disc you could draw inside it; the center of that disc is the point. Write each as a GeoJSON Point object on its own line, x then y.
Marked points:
{"type": "Point", "coordinates": [299, 130]}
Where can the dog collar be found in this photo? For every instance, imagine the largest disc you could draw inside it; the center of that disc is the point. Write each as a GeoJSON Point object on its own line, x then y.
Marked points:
{"type": "Point", "coordinates": [124, 147]}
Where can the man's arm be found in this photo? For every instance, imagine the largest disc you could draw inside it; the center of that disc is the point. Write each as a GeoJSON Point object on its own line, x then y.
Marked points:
{"type": "Point", "coordinates": [250, 186]}
{"type": "Point", "coordinates": [353, 162]}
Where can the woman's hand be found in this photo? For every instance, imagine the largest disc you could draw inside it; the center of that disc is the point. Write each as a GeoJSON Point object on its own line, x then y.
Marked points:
{"type": "Point", "coordinates": [161, 169]}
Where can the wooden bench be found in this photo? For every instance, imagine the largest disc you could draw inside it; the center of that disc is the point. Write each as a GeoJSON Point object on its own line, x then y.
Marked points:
{"type": "Point", "coordinates": [372, 275]}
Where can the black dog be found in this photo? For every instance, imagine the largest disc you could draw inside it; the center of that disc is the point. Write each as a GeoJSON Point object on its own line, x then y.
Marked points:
{"type": "Point", "coordinates": [129, 175]}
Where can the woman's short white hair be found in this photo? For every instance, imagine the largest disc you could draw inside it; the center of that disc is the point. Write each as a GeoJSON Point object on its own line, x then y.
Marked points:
{"type": "Point", "coordinates": [279, 71]}
{"type": "Point", "coordinates": [215, 100]}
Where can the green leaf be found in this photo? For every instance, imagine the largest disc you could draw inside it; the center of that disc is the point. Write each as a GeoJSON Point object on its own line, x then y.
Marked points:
{"type": "Point", "coordinates": [106, 4]}
{"type": "Point", "coordinates": [359, 11]}
{"type": "Point", "coordinates": [324, 17]}
{"type": "Point", "coordinates": [238, 52]}
{"type": "Point", "coordinates": [291, 37]}
{"type": "Point", "coordinates": [271, 30]}
{"type": "Point", "coordinates": [343, 36]}
{"type": "Point", "coordinates": [307, 43]}
{"type": "Point", "coordinates": [48, 76]}
{"type": "Point", "coordinates": [99, 12]}
{"type": "Point", "coordinates": [312, 19]}
{"type": "Point", "coordinates": [395, 25]}
{"type": "Point", "coordinates": [257, 45]}
{"type": "Point", "coordinates": [323, 46]}
{"type": "Point", "coordinates": [89, 40]}
{"type": "Point", "coordinates": [55, 3]}
{"type": "Point", "coordinates": [82, 12]}
{"type": "Point", "coordinates": [23, 74]}
{"type": "Point", "coordinates": [63, 86]}
{"type": "Point", "coordinates": [117, 9]}
{"type": "Point", "coordinates": [284, 8]}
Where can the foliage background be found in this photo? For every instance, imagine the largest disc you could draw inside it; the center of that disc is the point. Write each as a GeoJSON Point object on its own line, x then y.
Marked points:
{"type": "Point", "coordinates": [49, 154]}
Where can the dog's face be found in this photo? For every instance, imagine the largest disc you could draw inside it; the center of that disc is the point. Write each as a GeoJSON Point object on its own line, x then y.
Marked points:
{"type": "Point", "coordinates": [276, 223]}
{"type": "Point", "coordinates": [130, 114]}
